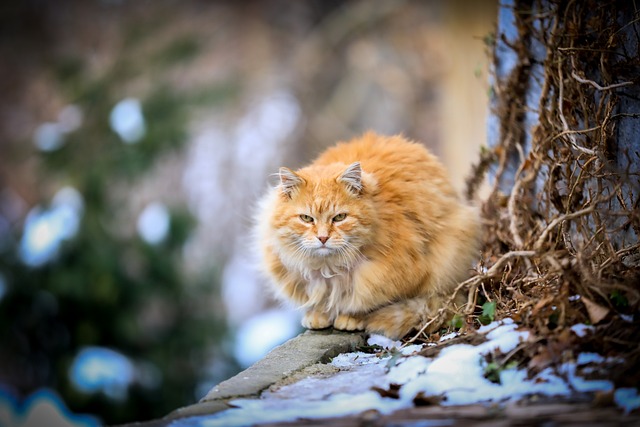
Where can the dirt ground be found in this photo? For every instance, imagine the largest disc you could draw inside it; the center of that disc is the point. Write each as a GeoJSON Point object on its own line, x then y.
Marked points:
{"type": "Point", "coordinates": [520, 414]}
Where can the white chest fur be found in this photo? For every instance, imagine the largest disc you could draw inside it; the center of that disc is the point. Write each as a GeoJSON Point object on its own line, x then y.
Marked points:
{"type": "Point", "coordinates": [329, 289]}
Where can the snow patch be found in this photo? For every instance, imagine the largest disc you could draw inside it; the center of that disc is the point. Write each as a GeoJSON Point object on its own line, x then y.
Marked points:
{"type": "Point", "coordinates": [448, 336]}
{"type": "Point", "coordinates": [358, 358]}
{"type": "Point", "coordinates": [580, 329]}
{"type": "Point", "coordinates": [251, 412]}
{"type": "Point", "coordinates": [458, 376]}
{"type": "Point", "coordinates": [627, 398]}
{"type": "Point", "coordinates": [411, 349]}
{"type": "Point", "coordinates": [383, 342]}
{"type": "Point", "coordinates": [586, 358]}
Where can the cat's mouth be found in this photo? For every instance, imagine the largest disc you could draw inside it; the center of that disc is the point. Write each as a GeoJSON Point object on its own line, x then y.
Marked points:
{"type": "Point", "coordinates": [323, 251]}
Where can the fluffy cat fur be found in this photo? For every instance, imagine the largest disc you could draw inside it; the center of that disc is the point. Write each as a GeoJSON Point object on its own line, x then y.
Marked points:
{"type": "Point", "coordinates": [370, 236]}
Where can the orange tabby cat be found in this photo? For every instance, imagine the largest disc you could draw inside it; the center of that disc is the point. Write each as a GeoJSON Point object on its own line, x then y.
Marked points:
{"type": "Point", "coordinates": [369, 236]}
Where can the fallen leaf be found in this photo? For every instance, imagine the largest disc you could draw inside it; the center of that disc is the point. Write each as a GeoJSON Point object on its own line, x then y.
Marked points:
{"type": "Point", "coordinates": [393, 392]}
{"type": "Point", "coordinates": [596, 311]}
{"type": "Point", "coordinates": [541, 304]}
{"type": "Point", "coordinates": [540, 361]}
{"type": "Point", "coordinates": [423, 400]}
{"type": "Point", "coordinates": [603, 399]}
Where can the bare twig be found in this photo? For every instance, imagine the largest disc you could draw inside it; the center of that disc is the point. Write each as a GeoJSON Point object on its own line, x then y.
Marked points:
{"type": "Point", "coordinates": [575, 131]}
{"type": "Point", "coordinates": [618, 254]}
{"type": "Point", "coordinates": [565, 125]}
{"type": "Point", "coordinates": [543, 236]}
{"type": "Point", "coordinates": [473, 281]}
{"type": "Point", "coordinates": [495, 268]}
{"type": "Point", "coordinates": [511, 208]}
{"type": "Point", "coordinates": [596, 85]}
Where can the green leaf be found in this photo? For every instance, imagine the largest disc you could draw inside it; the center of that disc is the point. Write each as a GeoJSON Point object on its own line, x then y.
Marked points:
{"type": "Point", "coordinates": [493, 369]}
{"type": "Point", "coordinates": [492, 372]}
{"type": "Point", "coordinates": [618, 299]}
{"type": "Point", "coordinates": [457, 321]}
{"type": "Point", "coordinates": [488, 312]}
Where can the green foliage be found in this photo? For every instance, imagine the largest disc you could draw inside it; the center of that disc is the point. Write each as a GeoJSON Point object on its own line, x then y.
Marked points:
{"type": "Point", "coordinates": [553, 320]}
{"type": "Point", "coordinates": [68, 69]}
{"type": "Point", "coordinates": [179, 50]}
{"type": "Point", "coordinates": [493, 369]}
{"type": "Point", "coordinates": [457, 321]}
{"type": "Point", "coordinates": [214, 94]}
{"type": "Point", "coordinates": [110, 292]}
{"type": "Point", "coordinates": [488, 312]}
{"type": "Point", "coordinates": [618, 299]}
{"type": "Point", "coordinates": [108, 288]}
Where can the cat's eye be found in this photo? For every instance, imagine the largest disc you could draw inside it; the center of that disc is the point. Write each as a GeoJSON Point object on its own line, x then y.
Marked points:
{"type": "Point", "coordinates": [306, 218]}
{"type": "Point", "coordinates": [339, 217]}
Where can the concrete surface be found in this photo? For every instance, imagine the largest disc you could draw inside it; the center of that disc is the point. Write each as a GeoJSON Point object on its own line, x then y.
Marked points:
{"type": "Point", "coordinates": [283, 364]}
{"type": "Point", "coordinates": [307, 349]}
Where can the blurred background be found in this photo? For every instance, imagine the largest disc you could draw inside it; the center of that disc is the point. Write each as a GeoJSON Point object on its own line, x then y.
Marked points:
{"type": "Point", "coordinates": [135, 139]}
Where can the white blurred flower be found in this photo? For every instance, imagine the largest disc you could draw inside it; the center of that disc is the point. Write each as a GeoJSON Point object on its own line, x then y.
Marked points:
{"type": "Point", "coordinates": [127, 120]}
{"type": "Point", "coordinates": [46, 229]}
{"type": "Point", "coordinates": [49, 136]}
{"type": "Point", "coordinates": [153, 223]}
{"type": "Point", "coordinates": [99, 369]}
{"type": "Point", "coordinates": [70, 118]}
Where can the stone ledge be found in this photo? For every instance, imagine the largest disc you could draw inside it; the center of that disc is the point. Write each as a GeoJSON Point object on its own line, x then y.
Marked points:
{"type": "Point", "coordinates": [284, 361]}
{"type": "Point", "coordinates": [294, 355]}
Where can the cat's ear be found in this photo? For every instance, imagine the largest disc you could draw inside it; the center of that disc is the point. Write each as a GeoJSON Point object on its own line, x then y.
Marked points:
{"type": "Point", "coordinates": [289, 181]}
{"type": "Point", "coordinates": [352, 178]}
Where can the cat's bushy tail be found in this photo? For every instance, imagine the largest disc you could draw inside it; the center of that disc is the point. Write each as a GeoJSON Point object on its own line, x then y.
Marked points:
{"type": "Point", "coordinates": [398, 319]}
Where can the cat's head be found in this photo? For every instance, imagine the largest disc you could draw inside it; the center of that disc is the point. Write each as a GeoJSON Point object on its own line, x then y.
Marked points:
{"type": "Point", "coordinates": [324, 212]}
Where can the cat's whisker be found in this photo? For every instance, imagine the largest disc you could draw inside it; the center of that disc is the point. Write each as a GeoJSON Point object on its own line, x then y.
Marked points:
{"type": "Point", "coordinates": [354, 252]}
{"type": "Point", "coordinates": [347, 255]}
{"type": "Point", "coordinates": [300, 254]}
{"type": "Point", "coordinates": [343, 256]}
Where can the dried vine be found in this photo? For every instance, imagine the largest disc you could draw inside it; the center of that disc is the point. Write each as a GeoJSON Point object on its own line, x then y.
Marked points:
{"type": "Point", "coordinates": [563, 217]}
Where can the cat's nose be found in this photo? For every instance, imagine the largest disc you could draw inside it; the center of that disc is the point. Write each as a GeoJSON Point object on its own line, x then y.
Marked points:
{"type": "Point", "coordinates": [323, 239]}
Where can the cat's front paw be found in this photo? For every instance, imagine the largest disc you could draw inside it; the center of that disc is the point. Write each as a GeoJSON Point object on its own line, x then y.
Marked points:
{"type": "Point", "coordinates": [316, 320]}
{"type": "Point", "coordinates": [346, 322]}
